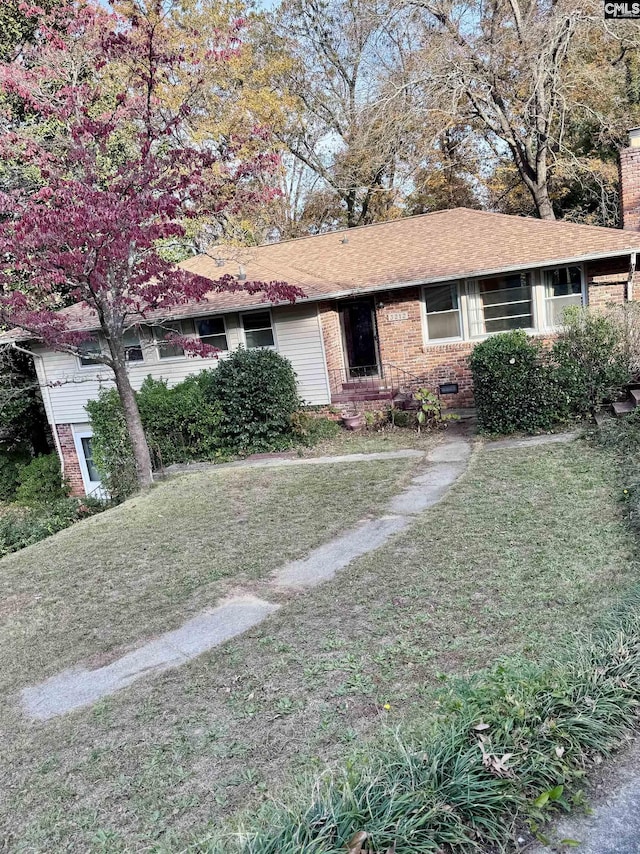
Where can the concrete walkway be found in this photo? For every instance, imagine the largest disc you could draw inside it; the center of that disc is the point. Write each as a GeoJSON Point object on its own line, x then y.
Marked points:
{"type": "Point", "coordinates": [531, 441]}
{"type": "Point", "coordinates": [614, 825]}
{"type": "Point", "coordinates": [273, 461]}
{"type": "Point", "coordinates": [79, 687]}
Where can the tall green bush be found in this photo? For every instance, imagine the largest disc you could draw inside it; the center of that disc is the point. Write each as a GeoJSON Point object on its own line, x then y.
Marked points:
{"type": "Point", "coordinates": [41, 482]}
{"type": "Point", "coordinates": [112, 451]}
{"type": "Point", "coordinates": [182, 423]}
{"type": "Point", "coordinates": [10, 465]}
{"type": "Point", "coordinates": [590, 360]}
{"type": "Point", "coordinates": [515, 390]}
{"type": "Point", "coordinates": [257, 393]}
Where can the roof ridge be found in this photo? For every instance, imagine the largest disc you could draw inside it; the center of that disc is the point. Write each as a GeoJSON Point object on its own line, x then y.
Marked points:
{"type": "Point", "coordinates": [352, 229]}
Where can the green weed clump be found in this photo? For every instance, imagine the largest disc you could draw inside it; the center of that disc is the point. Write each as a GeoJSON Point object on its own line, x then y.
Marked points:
{"type": "Point", "coordinates": [508, 746]}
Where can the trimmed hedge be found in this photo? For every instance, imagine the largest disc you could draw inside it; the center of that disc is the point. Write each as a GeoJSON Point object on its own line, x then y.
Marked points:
{"type": "Point", "coordinates": [515, 390]}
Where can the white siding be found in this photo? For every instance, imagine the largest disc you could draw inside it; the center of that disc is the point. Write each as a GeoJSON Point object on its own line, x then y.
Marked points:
{"type": "Point", "coordinates": [298, 337]}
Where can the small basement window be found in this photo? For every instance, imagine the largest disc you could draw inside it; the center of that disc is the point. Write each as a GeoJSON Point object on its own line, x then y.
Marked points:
{"type": "Point", "coordinates": [258, 331]}
{"type": "Point", "coordinates": [211, 330]}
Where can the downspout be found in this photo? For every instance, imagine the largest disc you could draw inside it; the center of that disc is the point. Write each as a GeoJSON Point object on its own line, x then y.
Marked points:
{"type": "Point", "coordinates": [632, 269]}
{"type": "Point", "coordinates": [44, 388]}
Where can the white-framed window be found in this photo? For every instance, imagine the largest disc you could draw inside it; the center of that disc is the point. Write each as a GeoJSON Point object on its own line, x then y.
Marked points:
{"type": "Point", "coordinates": [501, 303]}
{"type": "Point", "coordinates": [168, 349]}
{"type": "Point", "coordinates": [258, 329]}
{"type": "Point", "coordinates": [443, 312]}
{"type": "Point", "coordinates": [89, 348]}
{"type": "Point", "coordinates": [132, 346]}
{"type": "Point", "coordinates": [212, 331]}
{"type": "Point", "coordinates": [91, 478]}
{"type": "Point", "coordinates": [564, 287]}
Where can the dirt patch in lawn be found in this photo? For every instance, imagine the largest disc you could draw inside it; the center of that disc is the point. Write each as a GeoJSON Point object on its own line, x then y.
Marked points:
{"type": "Point", "coordinates": [530, 544]}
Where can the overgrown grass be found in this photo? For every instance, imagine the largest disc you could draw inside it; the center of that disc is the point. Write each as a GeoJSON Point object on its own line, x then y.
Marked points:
{"type": "Point", "coordinates": [527, 547]}
{"type": "Point", "coordinates": [509, 745]}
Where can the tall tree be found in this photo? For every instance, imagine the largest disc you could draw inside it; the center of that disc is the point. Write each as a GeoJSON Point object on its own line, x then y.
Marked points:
{"type": "Point", "coordinates": [351, 124]}
{"type": "Point", "coordinates": [118, 170]}
{"type": "Point", "coordinates": [504, 64]}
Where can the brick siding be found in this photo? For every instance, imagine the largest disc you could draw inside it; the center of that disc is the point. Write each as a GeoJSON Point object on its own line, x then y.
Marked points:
{"type": "Point", "coordinates": [629, 183]}
{"type": "Point", "coordinates": [72, 470]}
{"type": "Point", "coordinates": [401, 335]}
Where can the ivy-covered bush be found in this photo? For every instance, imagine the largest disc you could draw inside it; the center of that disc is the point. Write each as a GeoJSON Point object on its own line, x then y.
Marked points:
{"type": "Point", "coordinates": [112, 452]}
{"type": "Point", "coordinates": [515, 388]}
{"type": "Point", "coordinates": [20, 528]}
{"type": "Point", "coordinates": [257, 394]}
{"type": "Point", "coordinates": [40, 482]}
{"type": "Point", "coordinates": [590, 358]}
{"type": "Point", "coordinates": [10, 464]}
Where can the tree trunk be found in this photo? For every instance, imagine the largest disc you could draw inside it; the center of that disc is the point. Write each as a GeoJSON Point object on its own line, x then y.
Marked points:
{"type": "Point", "coordinates": [542, 201]}
{"type": "Point", "coordinates": [132, 418]}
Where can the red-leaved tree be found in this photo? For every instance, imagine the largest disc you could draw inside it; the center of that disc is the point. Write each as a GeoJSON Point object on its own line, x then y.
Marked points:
{"type": "Point", "coordinates": [99, 114]}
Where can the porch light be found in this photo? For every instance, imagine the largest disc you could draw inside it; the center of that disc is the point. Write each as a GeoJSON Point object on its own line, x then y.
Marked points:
{"type": "Point", "coordinates": [344, 240]}
{"type": "Point", "coordinates": [241, 274]}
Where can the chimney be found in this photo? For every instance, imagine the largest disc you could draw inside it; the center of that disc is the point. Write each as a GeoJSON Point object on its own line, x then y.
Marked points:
{"type": "Point", "coordinates": [629, 171]}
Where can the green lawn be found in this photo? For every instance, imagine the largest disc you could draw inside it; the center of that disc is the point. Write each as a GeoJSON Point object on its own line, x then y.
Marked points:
{"type": "Point", "coordinates": [530, 544]}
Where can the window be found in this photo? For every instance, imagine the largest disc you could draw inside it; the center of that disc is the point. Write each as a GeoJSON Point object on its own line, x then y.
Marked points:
{"type": "Point", "coordinates": [87, 350]}
{"type": "Point", "coordinates": [563, 287]}
{"type": "Point", "coordinates": [211, 331]}
{"type": "Point", "coordinates": [257, 329]}
{"type": "Point", "coordinates": [443, 311]}
{"type": "Point", "coordinates": [132, 347]}
{"type": "Point", "coordinates": [502, 303]}
{"type": "Point", "coordinates": [167, 349]}
{"type": "Point", "coordinates": [87, 450]}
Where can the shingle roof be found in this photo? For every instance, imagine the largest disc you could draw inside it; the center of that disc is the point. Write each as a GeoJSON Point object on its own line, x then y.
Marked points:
{"type": "Point", "coordinates": [450, 244]}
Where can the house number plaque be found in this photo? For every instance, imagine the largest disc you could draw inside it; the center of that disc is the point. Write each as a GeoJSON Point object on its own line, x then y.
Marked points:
{"type": "Point", "coordinates": [398, 315]}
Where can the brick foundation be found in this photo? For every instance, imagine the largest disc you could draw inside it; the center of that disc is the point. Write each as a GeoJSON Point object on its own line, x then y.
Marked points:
{"type": "Point", "coordinates": [72, 470]}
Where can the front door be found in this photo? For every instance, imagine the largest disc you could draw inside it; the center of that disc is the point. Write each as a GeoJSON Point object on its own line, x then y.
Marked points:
{"type": "Point", "coordinates": [360, 338]}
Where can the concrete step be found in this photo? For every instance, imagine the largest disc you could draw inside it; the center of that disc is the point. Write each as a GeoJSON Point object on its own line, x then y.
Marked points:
{"type": "Point", "coordinates": [623, 407]}
{"type": "Point", "coordinates": [634, 395]}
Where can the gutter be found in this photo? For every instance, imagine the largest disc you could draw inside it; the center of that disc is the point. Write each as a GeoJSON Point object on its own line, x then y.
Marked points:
{"type": "Point", "coordinates": [48, 406]}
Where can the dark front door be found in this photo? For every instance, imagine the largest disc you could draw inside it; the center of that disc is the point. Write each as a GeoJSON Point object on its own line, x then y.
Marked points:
{"type": "Point", "coordinates": [360, 338]}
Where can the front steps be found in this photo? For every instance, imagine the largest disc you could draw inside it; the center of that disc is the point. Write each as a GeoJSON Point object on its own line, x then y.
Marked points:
{"type": "Point", "coordinates": [625, 407]}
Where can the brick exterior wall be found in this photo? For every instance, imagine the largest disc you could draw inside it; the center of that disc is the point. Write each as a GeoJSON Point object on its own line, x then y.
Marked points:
{"type": "Point", "coordinates": [629, 183]}
{"type": "Point", "coordinates": [332, 337]}
{"type": "Point", "coordinates": [607, 281]}
{"type": "Point", "coordinates": [401, 335]}
{"type": "Point", "coordinates": [72, 470]}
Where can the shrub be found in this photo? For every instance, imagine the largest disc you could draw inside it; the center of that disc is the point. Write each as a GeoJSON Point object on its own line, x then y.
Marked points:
{"type": "Point", "coordinates": [256, 390]}
{"type": "Point", "coordinates": [41, 482]}
{"type": "Point", "coordinates": [310, 430]}
{"type": "Point", "coordinates": [111, 446]}
{"type": "Point", "coordinates": [181, 423]}
{"type": "Point", "coordinates": [21, 528]}
{"type": "Point", "coordinates": [10, 465]}
{"type": "Point", "coordinates": [403, 418]}
{"type": "Point", "coordinates": [591, 360]}
{"type": "Point", "coordinates": [515, 389]}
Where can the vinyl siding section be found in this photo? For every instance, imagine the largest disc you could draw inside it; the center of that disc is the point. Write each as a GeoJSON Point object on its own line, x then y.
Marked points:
{"type": "Point", "coordinates": [298, 337]}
